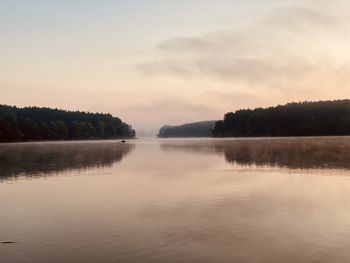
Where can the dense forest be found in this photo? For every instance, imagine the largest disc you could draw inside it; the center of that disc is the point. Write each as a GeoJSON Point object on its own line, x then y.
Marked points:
{"type": "Point", "coordinates": [33, 123]}
{"type": "Point", "coordinates": [293, 119]}
{"type": "Point", "coordinates": [196, 129]}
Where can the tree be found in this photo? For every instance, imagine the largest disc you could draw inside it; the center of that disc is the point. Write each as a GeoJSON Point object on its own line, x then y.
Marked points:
{"type": "Point", "coordinates": [9, 130]}
{"type": "Point", "coordinates": [34, 123]}
{"type": "Point", "coordinates": [293, 119]}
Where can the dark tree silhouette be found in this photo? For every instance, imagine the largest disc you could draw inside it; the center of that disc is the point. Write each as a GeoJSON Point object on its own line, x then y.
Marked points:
{"type": "Point", "coordinates": [293, 119]}
{"type": "Point", "coordinates": [196, 129]}
{"type": "Point", "coordinates": [33, 123]}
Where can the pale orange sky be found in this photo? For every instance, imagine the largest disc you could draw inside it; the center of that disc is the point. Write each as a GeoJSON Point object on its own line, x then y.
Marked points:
{"type": "Point", "coordinates": [169, 62]}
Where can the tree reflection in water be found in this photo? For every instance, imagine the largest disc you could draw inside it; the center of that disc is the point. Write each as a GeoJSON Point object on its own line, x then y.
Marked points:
{"type": "Point", "coordinates": [42, 159]}
{"type": "Point", "coordinates": [293, 153]}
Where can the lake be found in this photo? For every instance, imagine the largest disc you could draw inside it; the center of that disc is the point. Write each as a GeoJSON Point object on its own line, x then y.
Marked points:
{"type": "Point", "coordinates": [176, 200]}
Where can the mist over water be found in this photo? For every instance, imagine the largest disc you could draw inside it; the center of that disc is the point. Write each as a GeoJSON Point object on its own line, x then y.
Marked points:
{"type": "Point", "coordinates": [293, 153]}
{"type": "Point", "coordinates": [176, 200]}
{"type": "Point", "coordinates": [44, 159]}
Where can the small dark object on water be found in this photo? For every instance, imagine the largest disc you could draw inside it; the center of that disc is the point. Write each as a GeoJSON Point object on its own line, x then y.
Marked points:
{"type": "Point", "coordinates": [8, 242]}
{"type": "Point", "coordinates": [123, 141]}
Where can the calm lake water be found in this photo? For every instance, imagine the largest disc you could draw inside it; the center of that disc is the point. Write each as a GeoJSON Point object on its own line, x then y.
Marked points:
{"type": "Point", "coordinates": [180, 200]}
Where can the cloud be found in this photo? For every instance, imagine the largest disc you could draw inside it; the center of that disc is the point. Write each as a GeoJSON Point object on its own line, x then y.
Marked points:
{"type": "Point", "coordinates": [301, 18]}
{"type": "Point", "coordinates": [210, 42]}
{"type": "Point", "coordinates": [291, 48]}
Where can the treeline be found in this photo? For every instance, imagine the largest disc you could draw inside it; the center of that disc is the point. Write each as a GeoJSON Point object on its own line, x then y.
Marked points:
{"type": "Point", "coordinates": [196, 129]}
{"type": "Point", "coordinates": [34, 123]}
{"type": "Point", "coordinates": [293, 119]}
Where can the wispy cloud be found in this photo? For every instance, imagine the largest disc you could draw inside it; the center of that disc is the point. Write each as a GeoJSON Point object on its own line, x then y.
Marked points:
{"type": "Point", "coordinates": [291, 48]}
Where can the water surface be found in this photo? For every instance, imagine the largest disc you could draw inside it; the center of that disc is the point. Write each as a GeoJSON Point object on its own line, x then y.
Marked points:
{"type": "Point", "coordinates": [176, 200]}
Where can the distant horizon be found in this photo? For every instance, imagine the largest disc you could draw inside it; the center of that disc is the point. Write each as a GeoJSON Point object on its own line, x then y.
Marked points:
{"type": "Point", "coordinates": [154, 131]}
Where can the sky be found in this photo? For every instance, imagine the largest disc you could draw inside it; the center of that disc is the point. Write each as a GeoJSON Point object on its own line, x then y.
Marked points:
{"type": "Point", "coordinates": [157, 62]}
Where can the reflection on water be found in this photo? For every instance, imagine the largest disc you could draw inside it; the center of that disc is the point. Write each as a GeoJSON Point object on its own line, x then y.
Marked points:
{"type": "Point", "coordinates": [42, 159]}
{"type": "Point", "coordinates": [294, 153]}
{"type": "Point", "coordinates": [185, 200]}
